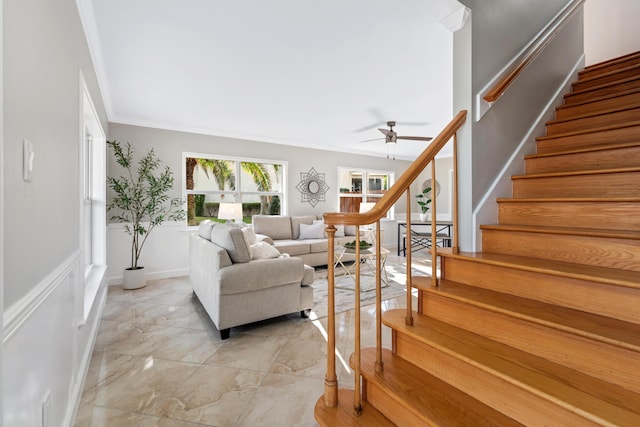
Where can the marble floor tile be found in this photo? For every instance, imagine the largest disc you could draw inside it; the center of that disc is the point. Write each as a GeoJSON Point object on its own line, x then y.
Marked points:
{"type": "Point", "coordinates": [214, 396]}
{"type": "Point", "coordinates": [158, 361]}
{"type": "Point", "coordinates": [248, 352]}
{"type": "Point", "coordinates": [283, 400]}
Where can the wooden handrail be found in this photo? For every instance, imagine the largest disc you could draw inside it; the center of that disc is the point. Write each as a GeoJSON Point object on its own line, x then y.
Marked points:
{"type": "Point", "coordinates": [373, 216]}
{"type": "Point", "coordinates": [536, 46]}
{"type": "Point", "coordinates": [385, 203]}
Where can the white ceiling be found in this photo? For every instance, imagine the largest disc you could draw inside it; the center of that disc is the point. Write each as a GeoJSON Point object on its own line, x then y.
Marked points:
{"type": "Point", "coordinates": [322, 74]}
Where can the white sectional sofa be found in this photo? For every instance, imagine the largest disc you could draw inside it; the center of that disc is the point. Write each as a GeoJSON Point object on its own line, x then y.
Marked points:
{"type": "Point", "coordinates": [300, 236]}
{"type": "Point", "coordinates": [239, 280]}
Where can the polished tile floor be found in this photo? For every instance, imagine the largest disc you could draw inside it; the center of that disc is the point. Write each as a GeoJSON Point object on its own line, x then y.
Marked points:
{"type": "Point", "coordinates": [159, 361]}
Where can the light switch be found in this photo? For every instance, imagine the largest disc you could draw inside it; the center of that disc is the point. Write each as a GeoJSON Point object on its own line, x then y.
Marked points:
{"type": "Point", "coordinates": [28, 156]}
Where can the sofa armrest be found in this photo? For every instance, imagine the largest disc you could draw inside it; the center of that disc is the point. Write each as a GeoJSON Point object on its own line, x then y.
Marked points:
{"type": "Point", "coordinates": [260, 274]}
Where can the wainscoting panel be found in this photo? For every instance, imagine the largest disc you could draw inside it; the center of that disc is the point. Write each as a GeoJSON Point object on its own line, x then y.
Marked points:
{"type": "Point", "coordinates": [45, 353]}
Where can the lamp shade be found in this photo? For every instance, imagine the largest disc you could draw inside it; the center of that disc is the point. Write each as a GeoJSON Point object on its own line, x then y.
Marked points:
{"type": "Point", "coordinates": [230, 211]}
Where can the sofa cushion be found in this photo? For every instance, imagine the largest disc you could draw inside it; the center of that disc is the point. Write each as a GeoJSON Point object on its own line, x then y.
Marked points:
{"type": "Point", "coordinates": [277, 227]}
{"type": "Point", "coordinates": [318, 245]}
{"type": "Point", "coordinates": [260, 274]}
{"type": "Point", "coordinates": [292, 247]}
{"type": "Point", "coordinates": [204, 228]}
{"type": "Point", "coordinates": [295, 224]}
{"type": "Point", "coordinates": [313, 231]}
{"type": "Point", "coordinates": [263, 250]}
{"type": "Point", "coordinates": [232, 239]}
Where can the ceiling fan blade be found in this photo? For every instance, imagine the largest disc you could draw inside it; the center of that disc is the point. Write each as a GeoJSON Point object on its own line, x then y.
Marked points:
{"type": "Point", "coordinates": [369, 140]}
{"type": "Point", "coordinates": [415, 138]}
{"type": "Point", "coordinates": [385, 132]}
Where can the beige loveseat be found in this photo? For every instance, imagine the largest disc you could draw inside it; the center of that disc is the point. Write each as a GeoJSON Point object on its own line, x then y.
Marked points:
{"type": "Point", "coordinates": [239, 281]}
{"type": "Point", "coordinates": [301, 236]}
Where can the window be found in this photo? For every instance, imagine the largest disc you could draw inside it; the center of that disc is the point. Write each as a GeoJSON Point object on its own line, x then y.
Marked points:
{"type": "Point", "coordinates": [361, 185]}
{"type": "Point", "coordinates": [210, 180]}
{"type": "Point", "coordinates": [92, 148]}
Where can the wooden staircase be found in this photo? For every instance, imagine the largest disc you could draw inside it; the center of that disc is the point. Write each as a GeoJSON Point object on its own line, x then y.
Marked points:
{"type": "Point", "coordinates": [543, 326]}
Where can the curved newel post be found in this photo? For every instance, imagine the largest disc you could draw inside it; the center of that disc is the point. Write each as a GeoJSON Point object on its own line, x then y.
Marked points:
{"type": "Point", "coordinates": [357, 404]}
{"type": "Point", "coordinates": [408, 251]}
{"type": "Point", "coordinates": [330, 379]}
{"type": "Point", "coordinates": [379, 366]}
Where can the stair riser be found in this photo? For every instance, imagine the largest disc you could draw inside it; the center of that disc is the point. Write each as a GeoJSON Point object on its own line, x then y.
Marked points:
{"type": "Point", "coordinates": [564, 113]}
{"type": "Point", "coordinates": [601, 215]}
{"type": "Point", "coordinates": [522, 405]}
{"type": "Point", "coordinates": [611, 301]}
{"type": "Point", "coordinates": [621, 184]}
{"type": "Point", "coordinates": [615, 65]}
{"type": "Point", "coordinates": [592, 139]}
{"type": "Point", "coordinates": [623, 254]}
{"type": "Point", "coordinates": [392, 409]}
{"type": "Point", "coordinates": [611, 89]}
{"type": "Point", "coordinates": [591, 160]}
{"type": "Point", "coordinates": [587, 83]}
{"type": "Point", "coordinates": [613, 364]}
{"type": "Point", "coordinates": [593, 122]}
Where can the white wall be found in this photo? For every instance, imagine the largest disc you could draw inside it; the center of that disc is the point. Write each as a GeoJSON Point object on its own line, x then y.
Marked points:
{"type": "Point", "coordinates": [166, 254]}
{"type": "Point", "coordinates": [611, 29]}
{"type": "Point", "coordinates": [45, 346]}
{"type": "Point", "coordinates": [497, 31]}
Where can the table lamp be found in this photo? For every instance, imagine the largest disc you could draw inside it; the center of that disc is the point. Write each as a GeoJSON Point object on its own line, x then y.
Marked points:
{"type": "Point", "coordinates": [230, 211]}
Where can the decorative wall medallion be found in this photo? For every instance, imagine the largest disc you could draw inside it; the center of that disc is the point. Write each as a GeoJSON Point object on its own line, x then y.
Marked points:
{"type": "Point", "coordinates": [312, 187]}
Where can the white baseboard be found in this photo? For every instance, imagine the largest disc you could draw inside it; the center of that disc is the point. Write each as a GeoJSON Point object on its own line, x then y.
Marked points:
{"type": "Point", "coordinates": [156, 275]}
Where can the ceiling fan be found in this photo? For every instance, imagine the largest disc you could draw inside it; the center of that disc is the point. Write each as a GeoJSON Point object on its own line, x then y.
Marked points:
{"type": "Point", "coordinates": [391, 137]}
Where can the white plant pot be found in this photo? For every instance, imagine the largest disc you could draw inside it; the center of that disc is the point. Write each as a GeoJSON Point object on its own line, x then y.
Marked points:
{"type": "Point", "coordinates": [134, 279]}
{"type": "Point", "coordinates": [425, 217]}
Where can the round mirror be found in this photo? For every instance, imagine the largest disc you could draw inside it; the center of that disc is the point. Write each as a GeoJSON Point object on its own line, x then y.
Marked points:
{"type": "Point", "coordinates": [313, 187]}
{"type": "Point", "coordinates": [427, 184]}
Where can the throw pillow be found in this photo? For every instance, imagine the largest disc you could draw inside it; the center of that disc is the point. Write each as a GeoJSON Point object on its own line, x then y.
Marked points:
{"type": "Point", "coordinates": [339, 228]}
{"type": "Point", "coordinates": [313, 231]}
{"type": "Point", "coordinates": [204, 229]}
{"type": "Point", "coordinates": [263, 250]}
{"type": "Point", "coordinates": [249, 236]}
{"type": "Point", "coordinates": [350, 230]}
{"type": "Point", "coordinates": [296, 221]}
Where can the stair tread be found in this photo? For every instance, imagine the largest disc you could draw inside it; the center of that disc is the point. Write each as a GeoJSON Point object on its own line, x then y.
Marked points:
{"type": "Point", "coordinates": [607, 74]}
{"type": "Point", "coordinates": [343, 414]}
{"type": "Point", "coordinates": [570, 200]}
{"type": "Point", "coordinates": [613, 146]}
{"type": "Point", "coordinates": [617, 60]}
{"type": "Point", "coordinates": [598, 98]}
{"type": "Point", "coordinates": [588, 131]}
{"type": "Point", "coordinates": [577, 173]}
{"type": "Point", "coordinates": [430, 398]}
{"type": "Point", "coordinates": [612, 276]}
{"type": "Point", "coordinates": [601, 86]}
{"type": "Point", "coordinates": [594, 398]}
{"type": "Point", "coordinates": [570, 231]}
{"type": "Point", "coordinates": [592, 326]}
{"type": "Point", "coordinates": [602, 112]}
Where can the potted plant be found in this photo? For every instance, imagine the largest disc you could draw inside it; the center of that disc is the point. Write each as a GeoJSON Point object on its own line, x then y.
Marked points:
{"type": "Point", "coordinates": [142, 202]}
{"type": "Point", "coordinates": [424, 201]}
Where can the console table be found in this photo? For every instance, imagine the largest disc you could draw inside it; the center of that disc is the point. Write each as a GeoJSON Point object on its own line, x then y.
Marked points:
{"type": "Point", "coordinates": [421, 238]}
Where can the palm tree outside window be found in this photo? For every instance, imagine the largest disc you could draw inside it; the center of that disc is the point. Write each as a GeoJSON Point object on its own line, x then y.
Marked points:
{"type": "Point", "coordinates": [209, 180]}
